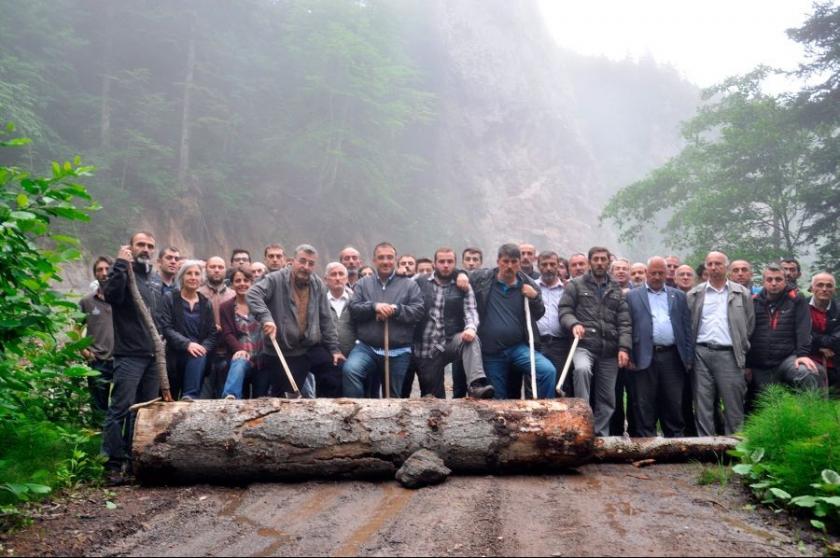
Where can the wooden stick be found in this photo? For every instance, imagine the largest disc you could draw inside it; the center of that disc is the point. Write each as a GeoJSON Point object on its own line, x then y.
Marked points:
{"type": "Point", "coordinates": [531, 348]}
{"type": "Point", "coordinates": [559, 388]}
{"type": "Point", "coordinates": [387, 363]}
{"type": "Point", "coordinates": [289, 376]}
{"type": "Point", "coordinates": [152, 331]}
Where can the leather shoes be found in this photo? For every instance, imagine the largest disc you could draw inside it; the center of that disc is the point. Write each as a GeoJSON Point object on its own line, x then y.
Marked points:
{"type": "Point", "coordinates": [479, 391]}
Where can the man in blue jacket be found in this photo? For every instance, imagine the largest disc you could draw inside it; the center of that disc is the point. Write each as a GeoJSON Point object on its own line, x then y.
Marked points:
{"type": "Point", "coordinates": [662, 354]}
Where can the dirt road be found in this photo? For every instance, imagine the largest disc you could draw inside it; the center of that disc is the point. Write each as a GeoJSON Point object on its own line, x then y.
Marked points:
{"type": "Point", "coordinates": [599, 510]}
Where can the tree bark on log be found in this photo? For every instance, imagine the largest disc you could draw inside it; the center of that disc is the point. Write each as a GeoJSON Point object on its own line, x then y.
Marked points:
{"type": "Point", "coordinates": [616, 449]}
{"type": "Point", "coordinates": [278, 439]}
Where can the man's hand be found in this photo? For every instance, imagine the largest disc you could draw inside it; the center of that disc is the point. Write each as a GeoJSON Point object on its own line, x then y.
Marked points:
{"type": "Point", "coordinates": [623, 359]}
{"type": "Point", "coordinates": [87, 354]}
{"type": "Point", "coordinates": [463, 281]}
{"type": "Point", "coordinates": [827, 353]}
{"type": "Point", "coordinates": [125, 254]}
{"type": "Point", "coordinates": [195, 350]}
{"type": "Point", "coordinates": [529, 291]}
{"type": "Point", "coordinates": [579, 331]}
{"type": "Point", "coordinates": [807, 363]}
{"type": "Point", "coordinates": [385, 311]}
{"type": "Point", "coordinates": [338, 358]}
{"type": "Point", "coordinates": [241, 355]}
{"type": "Point", "coordinates": [468, 336]}
{"type": "Point", "coordinates": [269, 329]}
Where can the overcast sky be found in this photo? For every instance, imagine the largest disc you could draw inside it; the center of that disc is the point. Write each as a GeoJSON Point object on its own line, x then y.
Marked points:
{"type": "Point", "coordinates": [705, 41]}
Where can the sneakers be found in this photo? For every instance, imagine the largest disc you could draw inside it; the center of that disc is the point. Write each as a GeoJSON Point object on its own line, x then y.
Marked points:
{"type": "Point", "coordinates": [230, 397]}
{"type": "Point", "coordinates": [479, 390]}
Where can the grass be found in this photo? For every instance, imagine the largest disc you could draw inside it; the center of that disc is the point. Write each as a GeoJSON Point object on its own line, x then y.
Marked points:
{"type": "Point", "coordinates": [714, 474]}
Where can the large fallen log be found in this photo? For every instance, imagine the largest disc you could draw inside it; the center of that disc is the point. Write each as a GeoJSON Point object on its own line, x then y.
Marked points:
{"type": "Point", "coordinates": [265, 439]}
{"type": "Point", "coordinates": [615, 449]}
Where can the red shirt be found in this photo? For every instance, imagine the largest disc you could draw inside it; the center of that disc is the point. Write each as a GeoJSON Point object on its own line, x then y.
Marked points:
{"type": "Point", "coordinates": [819, 324]}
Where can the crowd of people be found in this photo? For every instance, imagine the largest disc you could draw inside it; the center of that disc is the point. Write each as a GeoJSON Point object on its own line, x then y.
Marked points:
{"type": "Point", "coordinates": [688, 349]}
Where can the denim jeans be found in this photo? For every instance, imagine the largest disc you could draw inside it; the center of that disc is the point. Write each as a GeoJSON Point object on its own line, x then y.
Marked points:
{"type": "Point", "coordinates": [135, 381]}
{"type": "Point", "coordinates": [497, 367]}
{"type": "Point", "coordinates": [363, 362]}
{"type": "Point", "coordinates": [240, 368]}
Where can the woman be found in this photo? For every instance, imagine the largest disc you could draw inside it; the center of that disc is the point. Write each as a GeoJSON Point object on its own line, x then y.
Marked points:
{"type": "Point", "coordinates": [189, 327]}
{"type": "Point", "coordinates": [365, 271]}
{"type": "Point", "coordinates": [243, 336]}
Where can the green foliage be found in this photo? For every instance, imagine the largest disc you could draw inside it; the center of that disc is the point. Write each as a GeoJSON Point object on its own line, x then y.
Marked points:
{"type": "Point", "coordinates": [717, 473]}
{"type": "Point", "coordinates": [792, 451]}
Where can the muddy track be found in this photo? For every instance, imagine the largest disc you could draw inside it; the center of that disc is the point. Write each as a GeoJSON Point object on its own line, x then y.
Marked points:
{"type": "Point", "coordinates": [597, 510]}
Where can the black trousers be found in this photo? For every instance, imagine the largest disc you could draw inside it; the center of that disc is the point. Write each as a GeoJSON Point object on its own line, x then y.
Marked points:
{"type": "Point", "coordinates": [622, 385]}
{"type": "Point", "coordinates": [317, 360]}
{"type": "Point", "coordinates": [556, 349]}
{"type": "Point", "coordinates": [657, 394]}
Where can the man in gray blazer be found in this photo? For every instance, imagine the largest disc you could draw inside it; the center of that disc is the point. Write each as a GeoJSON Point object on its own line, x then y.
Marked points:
{"type": "Point", "coordinates": [723, 320]}
{"type": "Point", "coordinates": [663, 351]}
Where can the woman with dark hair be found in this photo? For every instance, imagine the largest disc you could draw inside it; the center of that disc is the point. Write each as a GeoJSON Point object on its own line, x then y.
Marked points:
{"type": "Point", "coordinates": [243, 336]}
{"type": "Point", "coordinates": [189, 327]}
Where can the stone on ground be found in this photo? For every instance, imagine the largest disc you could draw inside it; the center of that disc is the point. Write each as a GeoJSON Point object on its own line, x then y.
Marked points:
{"type": "Point", "coordinates": [422, 468]}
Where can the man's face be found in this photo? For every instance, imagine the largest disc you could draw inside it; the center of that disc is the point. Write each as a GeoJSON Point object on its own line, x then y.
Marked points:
{"type": "Point", "coordinates": [684, 277]}
{"type": "Point", "coordinates": [508, 268]}
{"type": "Point", "coordinates": [142, 248]}
{"type": "Point", "coordinates": [791, 273]}
{"type": "Point", "coordinates": [349, 257]}
{"type": "Point", "coordinates": [407, 266]}
{"type": "Point", "coordinates": [240, 283]}
{"type": "Point", "coordinates": [579, 265]}
{"type": "Point", "coordinates": [823, 287]}
{"type": "Point", "coordinates": [445, 264]}
{"type": "Point", "coordinates": [216, 270]}
{"type": "Point", "coordinates": [599, 263]}
{"type": "Point", "coordinates": [549, 268]}
{"type": "Point", "coordinates": [425, 268]}
{"type": "Point", "coordinates": [303, 265]}
{"type": "Point", "coordinates": [169, 262]}
{"type": "Point", "coordinates": [657, 271]}
{"type": "Point", "coordinates": [275, 259]}
{"type": "Point", "coordinates": [638, 273]}
{"type": "Point", "coordinates": [716, 267]}
{"type": "Point", "coordinates": [740, 272]}
{"type": "Point", "coordinates": [385, 260]}
{"type": "Point", "coordinates": [472, 261]}
{"type": "Point", "coordinates": [774, 282]}
{"type": "Point", "coordinates": [621, 272]}
{"type": "Point", "coordinates": [101, 271]}
{"type": "Point", "coordinates": [258, 269]}
{"type": "Point", "coordinates": [527, 254]}
{"type": "Point", "coordinates": [336, 279]}
{"type": "Point", "coordinates": [671, 265]}
{"type": "Point", "coordinates": [240, 260]}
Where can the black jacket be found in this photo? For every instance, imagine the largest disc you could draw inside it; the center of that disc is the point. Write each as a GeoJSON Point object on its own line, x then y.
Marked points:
{"type": "Point", "coordinates": [781, 329]}
{"type": "Point", "coordinates": [453, 306]}
{"type": "Point", "coordinates": [482, 281]}
{"type": "Point", "coordinates": [172, 324]}
{"type": "Point", "coordinates": [130, 335]}
{"type": "Point", "coordinates": [607, 320]}
{"type": "Point", "coordinates": [830, 339]}
{"type": "Point", "coordinates": [402, 291]}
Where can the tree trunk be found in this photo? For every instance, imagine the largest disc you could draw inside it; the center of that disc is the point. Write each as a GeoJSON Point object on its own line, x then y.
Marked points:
{"type": "Point", "coordinates": [615, 449]}
{"type": "Point", "coordinates": [105, 93]}
{"type": "Point", "coordinates": [265, 439]}
{"type": "Point", "coordinates": [184, 149]}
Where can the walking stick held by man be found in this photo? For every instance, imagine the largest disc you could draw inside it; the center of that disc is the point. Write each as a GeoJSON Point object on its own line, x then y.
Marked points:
{"type": "Point", "coordinates": [566, 366]}
{"type": "Point", "coordinates": [387, 362]}
{"type": "Point", "coordinates": [295, 393]}
{"type": "Point", "coordinates": [531, 348]}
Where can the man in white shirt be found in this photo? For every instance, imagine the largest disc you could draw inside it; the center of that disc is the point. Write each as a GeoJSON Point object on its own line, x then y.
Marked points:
{"type": "Point", "coordinates": [335, 277]}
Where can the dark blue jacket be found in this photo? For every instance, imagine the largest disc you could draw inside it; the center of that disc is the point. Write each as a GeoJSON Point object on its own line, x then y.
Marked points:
{"type": "Point", "coordinates": [637, 300]}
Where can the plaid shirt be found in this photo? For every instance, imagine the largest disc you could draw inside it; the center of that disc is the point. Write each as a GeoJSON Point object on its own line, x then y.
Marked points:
{"type": "Point", "coordinates": [434, 334]}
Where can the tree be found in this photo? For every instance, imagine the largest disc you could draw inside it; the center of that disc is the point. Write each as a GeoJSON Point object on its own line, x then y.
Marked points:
{"type": "Point", "coordinates": [737, 186]}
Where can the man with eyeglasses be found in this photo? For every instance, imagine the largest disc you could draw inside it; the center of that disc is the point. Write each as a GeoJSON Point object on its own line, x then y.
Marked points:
{"type": "Point", "coordinates": [239, 259]}
{"type": "Point", "coordinates": [825, 327]}
{"type": "Point", "coordinates": [781, 343]}
{"type": "Point", "coordinates": [169, 261]}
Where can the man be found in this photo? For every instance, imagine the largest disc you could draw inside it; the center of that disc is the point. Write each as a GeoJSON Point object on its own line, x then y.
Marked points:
{"type": "Point", "coordinates": [335, 277]}
{"type": "Point", "coordinates": [528, 254]}
{"type": "Point", "coordinates": [501, 294]}
{"type": "Point", "coordinates": [377, 298]}
{"type": "Point", "coordinates": [554, 344]}
{"type": "Point", "coordinates": [274, 256]}
{"type": "Point", "coordinates": [793, 271]}
{"type": "Point", "coordinates": [578, 265]}
{"type": "Point", "coordinates": [239, 259]}
{"type": "Point", "coordinates": [594, 310]}
{"type": "Point", "coordinates": [292, 306]}
{"type": "Point", "coordinates": [723, 319]}
{"type": "Point", "coordinates": [135, 375]}
{"type": "Point", "coordinates": [662, 354]}
{"type": "Point", "coordinates": [425, 266]}
{"type": "Point", "coordinates": [258, 269]}
{"type": "Point", "coordinates": [672, 263]}
{"type": "Point", "coordinates": [350, 258]}
{"type": "Point", "coordinates": [217, 292]}
{"type": "Point", "coordinates": [100, 328]}
{"type": "Point", "coordinates": [407, 265]}
{"type": "Point", "coordinates": [741, 272]}
{"type": "Point", "coordinates": [448, 332]}
{"type": "Point", "coordinates": [781, 342]}
{"type": "Point", "coordinates": [169, 261]}
{"type": "Point", "coordinates": [638, 275]}
{"type": "Point", "coordinates": [684, 277]}
{"type": "Point", "coordinates": [620, 271]}
{"type": "Point", "coordinates": [472, 258]}
{"type": "Point", "coordinates": [825, 327]}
